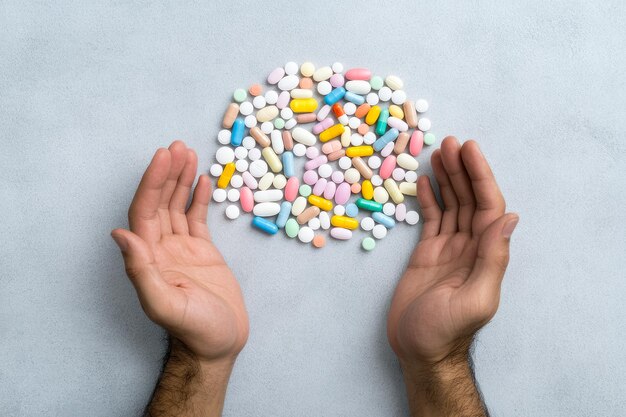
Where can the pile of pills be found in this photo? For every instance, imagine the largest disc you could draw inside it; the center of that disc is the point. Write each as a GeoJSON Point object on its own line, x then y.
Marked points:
{"type": "Point", "coordinates": [357, 136]}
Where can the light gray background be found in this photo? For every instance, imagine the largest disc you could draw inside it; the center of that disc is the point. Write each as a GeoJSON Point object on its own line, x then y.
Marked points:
{"type": "Point", "coordinates": [88, 92]}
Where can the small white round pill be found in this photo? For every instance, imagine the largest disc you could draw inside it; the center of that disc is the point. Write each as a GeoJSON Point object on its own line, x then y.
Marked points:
{"type": "Point", "coordinates": [225, 155]}
{"type": "Point", "coordinates": [241, 152]}
{"type": "Point", "coordinates": [381, 195]}
{"type": "Point", "coordinates": [271, 97]}
{"type": "Point", "coordinates": [376, 180]}
{"type": "Point", "coordinates": [410, 176]}
{"type": "Point", "coordinates": [223, 137]}
{"type": "Point", "coordinates": [246, 108]}
{"type": "Point", "coordinates": [286, 113]}
{"type": "Point", "coordinates": [236, 181]}
{"type": "Point", "coordinates": [232, 211]}
{"type": "Point", "coordinates": [250, 121]}
{"type": "Point", "coordinates": [385, 94]}
{"type": "Point", "coordinates": [379, 231]}
{"type": "Point", "coordinates": [367, 223]}
{"type": "Point", "coordinates": [389, 209]}
{"type": "Point", "coordinates": [412, 217]}
{"type": "Point", "coordinates": [299, 149]}
{"type": "Point", "coordinates": [339, 210]}
{"type": "Point", "coordinates": [398, 174]}
{"type": "Point", "coordinates": [337, 67]}
{"type": "Point", "coordinates": [314, 223]}
{"type": "Point", "coordinates": [267, 127]}
{"type": "Point", "coordinates": [241, 165]}
{"type": "Point", "coordinates": [219, 195]}
{"type": "Point", "coordinates": [291, 68]}
{"type": "Point", "coordinates": [398, 97]}
{"type": "Point", "coordinates": [305, 234]}
{"type": "Point", "coordinates": [356, 139]}
{"type": "Point", "coordinates": [248, 142]}
{"type": "Point", "coordinates": [325, 171]}
{"type": "Point", "coordinates": [324, 87]}
{"type": "Point", "coordinates": [354, 122]}
{"type": "Point", "coordinates": [349, 108]}
{"type": "Point", "coordinates": [233, 195]}
{"type": "Point", "coordinates": [372, 99]}
{"type": "Point", "coordinates": [254, 154]}
{"type": "Point", "coordinates": [369, 138]}
{"type": "Point", "coordinates": [421, 105]}
{"type": "Point", "coordinates": [216, 170]}
{"type": "Point", "coordinates": [345, 162]}
{"type": "Point", "coordinates": [423, 124]}
{"type": "Point", "coordinates": [374, 162]}
{"type": "Point", "coordinates": [258, 168]}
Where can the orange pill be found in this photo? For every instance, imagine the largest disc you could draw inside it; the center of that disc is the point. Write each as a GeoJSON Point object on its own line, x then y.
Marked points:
{"type": "Point", "coordinates": [355, 188]}
{"type": "Point", "coordinates": [306, 83]}
{"type": "Point", "coordinates": [362, 110]}
{"type": "Point", "coordinates": [319, 241]}
{"type": "Point", "coordinates": [363, 129]}
{"type": "Point", "coordinates": [306, 117]}
{"type": "Point", "coordinates": [287, 140]}
{"type": "Point", "coordinates": [255, 90]}
{"type": "Point", "coordinates": [333, 156]}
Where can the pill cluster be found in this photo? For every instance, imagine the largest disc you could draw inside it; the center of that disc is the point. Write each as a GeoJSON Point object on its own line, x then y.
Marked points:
{"type": "Point", "coordinates": [359, 135]}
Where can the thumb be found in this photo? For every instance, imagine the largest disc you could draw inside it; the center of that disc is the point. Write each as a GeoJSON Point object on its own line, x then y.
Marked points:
{"type": "Point", "coordinates": [141, 270]}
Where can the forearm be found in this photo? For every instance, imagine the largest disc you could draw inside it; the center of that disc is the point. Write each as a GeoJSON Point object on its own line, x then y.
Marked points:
{"type": "Point", "coordinates": [189, 387]}
{"type": "Point", "coordinates": [447, 388]}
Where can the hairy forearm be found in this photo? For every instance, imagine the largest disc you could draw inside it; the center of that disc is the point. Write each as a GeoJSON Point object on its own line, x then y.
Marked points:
{"type": "Point", "coordinates": [447, 388]}
{"type": "Point", "coordinates": [189, 386]}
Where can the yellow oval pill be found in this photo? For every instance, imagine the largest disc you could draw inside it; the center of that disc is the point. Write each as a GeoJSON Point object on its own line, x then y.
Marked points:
{"type": "Point", "coordinates": [345, 222]}
{"type": "Point", "coordinates": [227, 174]}
{"type": "Point", "coordinates": [367, 190]}
{"type": "Point", "coordinates": [364, 150]}
{"type": "Point", "coordinates": [303, 105]}
{"type": "Point", "coordinates": [332, 132]}
{"type": "Point", "coordinates": [322, 203]}
{"type": "Point", "coordinates": [372, 115]}
{"type": "Point", "coordinates": [396, 111]}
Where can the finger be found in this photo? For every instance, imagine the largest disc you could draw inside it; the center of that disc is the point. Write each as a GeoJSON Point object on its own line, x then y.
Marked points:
{"type": "Point", "coordinates": [450, 203]}
{"type": "Point", "coordinates": [142, 271]}
{"type": "Point", "coordinates": [143, 215]}
{"type": "Point", "coordinates": [430, 208]}
{"type": "Point", "coordinates": [492, 258]}
{"type": "Point", "coordinates": [180, 197]}
{"type": "Point", "coordinates": [196, 215]}
{"type": "Point", "coordinates": [452, 162]}
{"type": "Point", "coordinates": [489, 200]}
{"type": "Point", "coordinates": [178, 150]}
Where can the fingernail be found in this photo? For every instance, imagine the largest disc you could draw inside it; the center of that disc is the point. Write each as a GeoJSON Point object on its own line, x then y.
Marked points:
{"type": "Point", "coordinates": [509, 227]}
{"type": "Point", "coordinates": [122, 243]}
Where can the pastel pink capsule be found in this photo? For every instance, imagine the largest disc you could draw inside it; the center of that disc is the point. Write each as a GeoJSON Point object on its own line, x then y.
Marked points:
{"type": "Point", "coordinates": [343, 193]}
{"type": "Point", "coordinates": [323, 125]}
{"type": "Point", "coordinates": [416, 143]}
{"type": "Point", "coordinates": [329, 191]}
{"type": "Point", "coordinates": [337, 80]}
{"type": "Point", "coordinates": [246, 199]}
{"type": "Point", "coordinates": [291, 189]}
{"type": "Point", "coordinates": [387, 167]}
{"type": "Point", "coordinates": [331, 146]}
{"type": "Point", "coordinates": [320, 186]}
{"type": "Point", "coordinates": [310, 177]}
{"type": "Point", "coordinates": [358, 74]}
{"type": "Point", "coordinates": [276, 75]}
{"type": "Point", "coordinates": [316, 162]}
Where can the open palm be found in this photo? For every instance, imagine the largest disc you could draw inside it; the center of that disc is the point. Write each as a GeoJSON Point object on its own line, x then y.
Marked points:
{"type": "Point", "coordinates": [181, 279]}
{"type": "Point", "coordinates": [452, 284]}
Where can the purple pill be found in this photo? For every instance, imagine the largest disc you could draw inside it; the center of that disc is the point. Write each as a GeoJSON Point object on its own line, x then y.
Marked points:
{"type": "Point", "coordinates": [320, 186]}
{"type": "Point", "coordinates": [310, 177]}
{"type": "Point", "coordinates": [342, 195]}
{"type": "Point", "coordinates": [337, 177]}
{"type": "Point", "coordinates": [329, 191]}
{"type": "Point", "coordinates": [336, 80]}
{"type": "Point", "coordinates": [312, 152]}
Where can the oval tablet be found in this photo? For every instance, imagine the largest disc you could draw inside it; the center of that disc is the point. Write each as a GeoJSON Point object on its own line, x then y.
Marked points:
{"type": "Point", "coordinates": [291, 189]}
{"type": "Point", "coordinates": [393, 82]}
{"type": "Point", "coordinates": [268, 196]}
{"type": "Point", "coordinates": [322, 74]}
{"type": "Point", "coordinates": [275, 76]}
{"type": "Point", "coordinates": [358, 86]}
{"type": "Point", "coordinates": [416, 143]}
{"type": "Point", "coordinates": [303, 136]}
{"type": "Point", "coordinates": [407, 162]}
{"type": "Point", "coordinates": [340, 233]}
{"type": "Point", "coordinates": [289, 82]}
{"type": "Point", "coordinates": [266, 209]}
{"type": "Point", "coordinates": [246, 199]}
{"type": "Point", "coordinates": [267, 113]}
{"type": "Point", "coordinates": [387, 167]}
{"type": "Point", "coordinates": [358, 74]}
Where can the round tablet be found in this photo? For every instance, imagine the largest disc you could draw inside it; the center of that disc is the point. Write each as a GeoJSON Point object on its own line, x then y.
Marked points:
{"type": "Point", "coordinates": [306, 234]}
{"type": "Point", "coordinates": [286, 113]}
{"type": "Point", "coordinates": [421, 105]}
{"type": "Point", "coordinates": [352, 175]}
{"type": "Point", "coordinates": [376, 180]}
{"type": "Point", "coordinates": [325, 170]}
{"type": "Point", "coordinates": [236, 180]}
{"type": "Point", "coordinates": [398, 174]}
{"type": "Point", "coordinates": [271, 97]}
{"type": "Point", "coordinates": [240, 95]}
{"type": "Point", "coordinates": [223, 137]}
{"type": "Point", "coordinates": [372, 99]}
{"type": "Point", "coordinates": [267, 127]}
{"type": "Point", "coordinates": [319, 241]}
{"type": "Point", "coordinates": [232, 211]}
{"type": "Point", "coordinates": [233, 195]}
{"type": "Point", "coordinates": [356, 139]}
{"type": "Point", "coordinates": [241, 152]}
{"type": "Point", "coordinates": [246, 108]}
{"type": "Point", "coordinates": [279, 123]}
{"type": "Point", "coordinates": [241, 165]}
{"type": "Point", "coordinates": [290, 123]}
{"type": "Point", "coordinates": [250, 121]}
{"type": "Point", "coordinates": [337, 67]}
{"type": "Point", "coordinates": [345, 162]}
{"type": "Point", "coordinates": [299, 149]}
{"type": "Point", "coordinates": [291, 68]}
{"type": "Point", "coordinates": [368, 244]}
{"type": "Point", "coordinates": [385, 94]}
{"type": "Point", "coordinates": [379, 231]}
{"type": "Point", "coordinates": [324, 87]}
{"type": "Point", "coordinates": [219, 195]}
{"type": "Point", "coordinates": [410, 176]}
{"type": "Point", "coordinates": [423, 124]}
{"type": "Point", "coordinates": [376, 82]}
{"type": "Point", "coordinates": [312, 152]}
{"type": "Point", "coordinates": [429, 139]}
{"type": "Point", "coordinates": [369, 138]}
{"type": "Point", "coordinates": [349, 108]}
{"type": "Point", "coordinates": [367, 223]}
{"type": "Point", "coordinates": [374, 162]}
{"type": "Point", "coordinates": [412, 217]}
{"type": "Point", "coordinates": [337, 177]}
{"type": "Point", "coordinates": [310, 177]}
{"type": "Point", "coordinates": [401, 212]}
{"type": "Point", "coordinates": [354, 122]}
{"type": "Point", "coordinates": [314, 223]}
{"type": "Point", "coordinates": [381, 195]}
{"type": "Point", "coordinates": [216, 170]}
{"type": "Point", "coordinates": [305, 190]}
{"type": "Point", "coordinates": [279, 181]}
{"type": "Point", "coordinates": [248, 142]}
{"type": "Point", "coordinates": [398, 97]}
{"type": "Point", "coordinates": [339, 210]}
{"type": "Point", "coordinates": [389, 209]}
{"type": "Point", "coordinates": [225, 155]}
{"type": "Point", "coordinates": [307, 69]}
{"type": "Point", "coordinates": [352, 210]}
{"type": "Point", "coordinates": [258, 168]}
{"type": "Point", "coordinates": [254, 154]}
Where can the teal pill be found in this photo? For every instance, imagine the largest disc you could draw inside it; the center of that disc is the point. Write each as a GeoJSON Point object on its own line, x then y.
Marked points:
{"type": "Point", "coordinates": [429, 139]}
{"type": "Point", "coordinates": [368, 243]}
{"type": "Point", "coordinates": [376, 82]}
{"type": "Point", "coordinates": [292, 228]}
{"type": "Point", "coordinates": [240, 95]}
{"type": "Point", "coordinates": [305, 190]}
{"type": "Point", "coordinates": [279, 123]}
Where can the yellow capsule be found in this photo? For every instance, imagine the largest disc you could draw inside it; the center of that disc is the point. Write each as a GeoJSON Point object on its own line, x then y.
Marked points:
{"type": "Point", "coordinates": [345, 222]}
{"type": "Point", "coordinates": [367, 190]}
{"type": "Point", "coordinates": [345, 137]}
{"type": "Point", "coordinates": [272, 159]}
{"type": "Point", "coordinates": [332, 132]}
{"type": "Point", "coordinates": [364, 150]}
{"type": "Point", "coordinates": [303, 105]}
{"type": "Point", "coordinates": [396, 111]}
{"type": "Point", "coordinates": [322, 203]}
{"type": "Point", "coordinates": [227, 174]}
{"type": "Point", "coordinates": [372, 115]}
{"type": "Point", "coordinates": [394, 192]}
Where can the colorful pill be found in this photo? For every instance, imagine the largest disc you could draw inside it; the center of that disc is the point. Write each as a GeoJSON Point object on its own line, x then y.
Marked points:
{"type": "Point", "coordinates": [316, 162]}
{"type": "Point", "coordinates": [267, 113]}
{"type": "Point", "coordinates": [334, 96]}
{"type": "Point", "coordinates": [331, 146]}
{"type": "Point", "coordinates": [306, 118]}
{"type": "Point", "coordinates": [307, 214]}
{"type": "Point", "coordinates": [246, 199]}
{"type": "Point", "coordinates": [336, 155]}
{"type": "Point", "coordinates": [372, 115]}
{"type": "Point", "coordinates": [388, 137]}
{"type": "Point", "coordinates": [323, 125]}
{"type": "Point", "coordinates": [381, 123]}
{"type": "Point", "coordinates": [367, 190]}
{"type": "Point", "coordinates": [410, 114]}
{"type": "Point", "coordinates": [272, 159]}
{"type": "Point", "coordinates": [340, 114]}
{"type": "Point", "coordinates": [303, 105]}
{"type": "Point", "coordinates": [264, 225]}
{"type": "Point", "coordinates": [416, 143]}
{"type": "Point", "coordinates": [227, 174]}
{"type": "Point", "coordinates": [340, 233]}
{"type": "Point", "coordinates": [236, 136]}
{"type": "Point", "coordinates": [283, 214]}
{"type": "Point", "coordinates": [329, 190]}
{"type": "Point", "coordinates": [292, 228]}
{"type": "Point", "coordinates": [387, 167]}
{"type": "Point", "coordinates": [407, 162]}
{"type": "Point", "coordinates": [230, 115]}
{"type": "Point", "coordinates": [383, 219]}
{"type": "Point", "coordinates": [362, 110]}
{"type": "Point", "coordinates": [369, 205]}
{"type": "Point", "coordinates": [346, 137]}
{"type": "Point", "coordinates": [408, 188]}
{"type": "Point", "coordinates": [401, 142]}
{"type": "Point", "coordinates": [332, 132]}
{"type": "Point", "coordinates": [358, 74]}
{"type": "Point", "coordinates": [320, 202]}
{"type": "Point", "coordinates": [354, 98]}
{"type": "Point", "coordinates": [364, 150]}
{"type": "Point", "coordinates": [394, 192]}
{"type": "Point", "coordinates": [396, 111]}
{"type": "Point", "coordinates": [288, 164]}
{"type": "Point", "coordinates": [345, 222]}
{"type": "Point", "coordinates": [260, 137]}
{"type": "Point", "coordinates": [398, 124]}
{"type": "Point", "coordinates": [343, 193]}
{"type": "Point", "coordinates": [362, 167]}
{"type": "Point", "coordinates": [320, 186]}
{"type": "Point", "coordinates": [291, 189]}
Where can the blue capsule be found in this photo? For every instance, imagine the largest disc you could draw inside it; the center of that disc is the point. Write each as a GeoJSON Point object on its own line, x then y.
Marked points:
{"type": "Point", "coordinates": [236, 135]}
{"type": "Point", "coordinates": [381, 124]}
{"type": "Point", "coordinates": [264, 225]}
{"type": "Point", "coordinates": [383, 219]}
{"type": "Point", "coordinates": [355, 98]}
{"type": "Point", "coordinates": [334, 96]}
{"type": "Point", "coordinates": [283, 214]}
{"type": "Point", "coordinates": [382, 141]}
{"type": "Point", "coordinates": [288, 168]}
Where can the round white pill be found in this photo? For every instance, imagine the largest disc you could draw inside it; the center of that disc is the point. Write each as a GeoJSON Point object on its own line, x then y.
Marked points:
{"type": "Point", "coordinates": [225, 155]}
{"type": "Point", "coordinates": [412, 217]}
{"type": "Point", "coordinates": [305, 234]}
{"type": "Point", "coordinates": [324, 87]}
{"type": "Point", "coordinates": [232, 211]}
{"type": "Point", "coordinates": [372, 99]}
{"type": "Point", "coordinates": [290, 124]}
{"type": "Point", "coordinates": [421, 105]}
{"type": "Point", "coordinates": [233, 195]}
{"type": "Point", "coordinates": [379, 231]}
{"type": "Point", "coordinates": [381, 195]}
{"type": "Point", "coordinates": [236, 181]}
{"type": "Point", "coordinates": [250, 121]}
{"type": "Point", "coordinates": [337, 67]}
{"type": "Point", "coordinates": [258, 168]}
{"type": "Point", "coordinates": [241, 165]}
{"type": "Point", "coordinates": [223, 137]}
{"type": "Point", "coordinates": [291, 68]}
{"type": "Point", "coordinates": [345, 162]}
{"type": "Point", "coordinates": [248, 142]}
{"type": "Point", "coordinates": [271, 97]}
{"type": "Point", "coordinates": [374, 162]}
{"type": "Point", "coordinates": [241, 152]}
{"type": "Point", "coordinates": [299, 149]}
{"type": "Point", "coordinates": [325, 171]}
{"type": "Point", "coordinates": [354, 122]}
{"type": "Point", "coordinates": [219, 195]}
{"type": "Point", "coordinates": [385, 94]}
{"type": "Point", "coordinates": [386, 151]}
{"type": "Point", "coordinates": [369, 138]}
{"type": "Point", "coordinates": [339, 210]}
{"type": "Point", "coordinates": [398, 174]}
{"type": "Point", "coordinates": [216, 170]}
{"type": "Point", "coordinates": [376, 180]}
{"type": "Point", "coordinates": [410, 176]}
{"type": "Point", "coordinates": [352, 175]}
{"type": "Point", "coordinates": [356, 139]}
{"type": "Point", "coordinates": [389, 209]}
{"type": "Point", "coordinates": [279, 181]}
{"type": "Point", "coordinates": [349, 108]}
{"type": "Point", "coordinates": [246, 108]}
{"type": "Point", "coordinates": [423, 124]}
{"type": "Point", "coordinates": [254, 154]}
{"type": "Point", "coordinates": [398, 97]}
{"type": "Point", "coordinates": [367, 223]}
{"type": "Point", "coordinates": [307, 69]}
{"type": "Point", "coordinates": [286, 113]}
{"type": "Point", "coordinates": [314, 223]}
{"type": "Point", "coordinates": [267, 127]}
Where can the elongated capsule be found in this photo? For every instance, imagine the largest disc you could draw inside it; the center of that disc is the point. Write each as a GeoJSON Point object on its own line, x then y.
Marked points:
{"type": "Point", "coordinates": [394, 192]}
{"type": "Point", "coordinates": [398, 124]}
{"type": "Point", "coordinates": [381, 124]}
{"type": "Point", "coordinates": [388, 137]}
{"type": "Point", "coordinates": [401, 142]}
{"type": "Point", "coordinates": [320, 202]}
{"type": "Point", "coordinates": [276, 139]}
{"type": "Point", "coordinates": [260, 137]}
{"type": "Point", "coordinates": [236, 135]}
{"type": "Point", "coordinates": [372, 115]}
{"type": "Point", "coordinates": [332, 132]}
{"type": "Point", "coordinates": [407, 162]}
{"type": "Point", "coordinates": [354, 98]}
{"type": "Point", "coordinates": [267, 209]}
{"type": "Point", "coordinates": [283, 214]}
{"type": "Point", "coordinates": [303, 136]}
{"type": "Point", "coordinates": [268, 196]}
{"type": "Point", "coordinates": [362, 110]}
{"type": "Point", "coordinates": [230, 115]}
{"type": "Point", "coordinates": [334, 96]}
{"type": "Point", "coordinates": [287, 140]}
{"type": "Point", "coordinates": [307, 214]}
{"type": "Point", "coordinates": [333, 156]}
{"type": "Point", "coordinates": [303, 105]}
{"type": "Point", "coordinates": [410, 114]}
{"type": "Point", "coordinates": [358, 86]}
{"type": "Point", "coordinates": [321, 126]}
{"type": "Point", "coordinates": [383, 219]}
{"type": "Point", "coordinates": [363, 150]}
{"type": "Point", "coordinates": [362, 167]}
{"type": "Point", "coordinates": [267, 113]}
{"type": "Point", "coordinates": [416, 143]}
{"type": "Point", "coordinates": [346, 137]}
{"type": "Point", "coordinates": [227, 174]}
{"type": "Point", "coordinates": [345, 222]}
{"type": "Point", "coordinates": [264, 225]}
{"type": "Point", "coordinates": [301, 93]}
{"type": "Point", "coordinates": [408, 188]}
{"type": "Point", "coordinates": [288, 164]}
{"type": "Point", "coordinates": [340, 233]}
{"type": "Point", "coordinates": [340, 114]}
{"type": "Point", "coordinates": [396, 111]}
{"type": "Point", "coordinates": [331, 146]}
{"type": "Point", "coordinates": [358, 74]}
{"type": "Point", "coordinates": [368, 205]}
{"type": "Point", "coordinates": [306, 118]}
{"type": "Point", "coordinates": [272, 159]}
{"type": "Point", "coordinates": [367, 190]}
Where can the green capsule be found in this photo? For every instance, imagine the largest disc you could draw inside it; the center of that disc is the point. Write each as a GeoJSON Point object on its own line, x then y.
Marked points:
{"type": "Point", "coordinates": [381, 124]}
{"type": "Point", "coordinates": [292, 228]}
{"type": "Point", "coordinates": [369, 205]}
{"type": "Point", "coordinates": [429, 139]}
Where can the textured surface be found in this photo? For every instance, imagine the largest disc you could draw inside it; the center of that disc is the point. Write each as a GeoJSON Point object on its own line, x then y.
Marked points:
{"type": "Point", "coordinates": [88, 92]}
